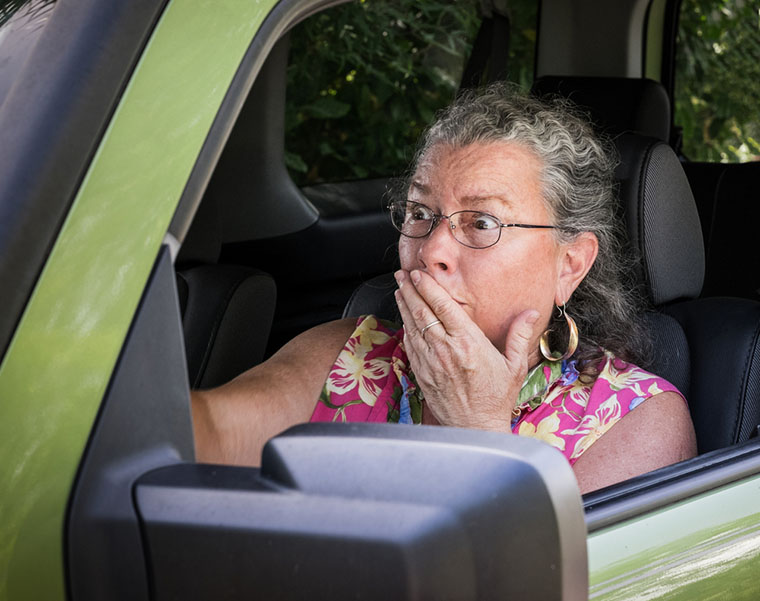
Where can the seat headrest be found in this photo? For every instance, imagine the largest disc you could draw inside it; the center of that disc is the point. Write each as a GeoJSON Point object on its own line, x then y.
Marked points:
{"type": "Point", "coordinates": [615, 104]}
{"type": "Point", "coordinates": [661, 217]}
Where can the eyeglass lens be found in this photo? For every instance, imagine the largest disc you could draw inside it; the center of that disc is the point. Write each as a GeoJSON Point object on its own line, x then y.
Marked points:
{"type": "Point", "coordinates": [471, 228]}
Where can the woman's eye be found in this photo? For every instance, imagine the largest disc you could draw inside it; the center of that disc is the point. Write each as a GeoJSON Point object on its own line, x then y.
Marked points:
{"type": "Point", "coordinates": [484, 222]}
{"type": "Point", "coordinates": [420, 214]}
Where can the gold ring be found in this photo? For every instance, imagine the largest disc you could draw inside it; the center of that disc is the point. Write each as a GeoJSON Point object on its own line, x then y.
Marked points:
{"type": "Point", "coordinates": [430, 325]}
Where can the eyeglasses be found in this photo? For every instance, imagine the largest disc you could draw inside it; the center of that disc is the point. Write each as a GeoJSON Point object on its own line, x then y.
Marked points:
{"type": "Point", "coordinates": [470, 228]}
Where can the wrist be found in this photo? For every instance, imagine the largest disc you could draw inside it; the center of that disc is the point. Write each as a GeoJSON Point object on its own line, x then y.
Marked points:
{"type": "Point", "coordinates": [494, 424]}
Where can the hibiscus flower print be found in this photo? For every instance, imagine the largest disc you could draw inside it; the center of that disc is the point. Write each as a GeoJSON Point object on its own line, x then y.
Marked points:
{"type": "Point", "coordinates": [353, 371]}
{"type": "Point", "coordinates": [544, 430]}
{"type": "Point", "coordinates": [594, 425]}
{"type": "Point", "coordinates": [620, 375]}
{"type": "Point", "coordinates": [369, 336]}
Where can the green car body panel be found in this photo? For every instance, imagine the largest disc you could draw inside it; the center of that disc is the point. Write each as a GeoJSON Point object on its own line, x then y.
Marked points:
{"type": "Point", "coordinates": [61, 358]}
{"type": "Point", "coordinates": [706, 547]}
{"type": "Point", "coordinates": [60, 361]}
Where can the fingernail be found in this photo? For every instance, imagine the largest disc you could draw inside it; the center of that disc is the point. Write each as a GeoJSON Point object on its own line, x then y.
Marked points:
{"type": "Point", "coordinates": [415, 275]}
{"type": "Point", "coordinates": [532, 318]}
{"type": "Point", "coordinates": [399, 275]}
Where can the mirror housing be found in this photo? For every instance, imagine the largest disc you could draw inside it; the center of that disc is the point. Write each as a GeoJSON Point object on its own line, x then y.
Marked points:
{"type": "Point", "coordinates": [370, 511]}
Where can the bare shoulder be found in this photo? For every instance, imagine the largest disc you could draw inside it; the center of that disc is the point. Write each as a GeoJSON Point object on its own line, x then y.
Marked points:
{"type": "Point", "coordinates": [655, 434]}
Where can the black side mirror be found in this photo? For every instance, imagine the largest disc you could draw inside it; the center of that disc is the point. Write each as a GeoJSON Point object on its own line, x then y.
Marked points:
{"type": "Point", "coordinates": [370, 511]}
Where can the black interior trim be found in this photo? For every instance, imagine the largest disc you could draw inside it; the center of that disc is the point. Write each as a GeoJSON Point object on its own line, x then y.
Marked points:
{"type": "Point", "coordinates": [537, 43]}
{"type": "Point", "coordinates": [668, 67]}
{"type": "Point", "coordinates": [52, 122]}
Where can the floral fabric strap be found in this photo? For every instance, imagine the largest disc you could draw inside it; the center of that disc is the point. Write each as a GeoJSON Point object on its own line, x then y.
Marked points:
{"type": "Point", "coordinates": [371, 381]}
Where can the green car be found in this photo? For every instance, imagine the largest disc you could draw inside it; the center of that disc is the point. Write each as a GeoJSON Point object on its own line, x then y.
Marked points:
{"type": "Point", "coordinates": [187, 184]}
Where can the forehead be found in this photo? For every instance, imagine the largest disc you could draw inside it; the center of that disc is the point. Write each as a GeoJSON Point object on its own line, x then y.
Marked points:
{"type": "Point", "coordinates": [505, 170]}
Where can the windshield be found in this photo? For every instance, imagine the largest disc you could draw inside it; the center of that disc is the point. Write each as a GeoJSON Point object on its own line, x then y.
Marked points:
{"type": "Point", "coordinates": [21, 22]}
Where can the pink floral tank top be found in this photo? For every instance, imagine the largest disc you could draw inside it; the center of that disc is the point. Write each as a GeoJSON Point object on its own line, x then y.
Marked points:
{"type": "Point", "coordinates": [371, 382]}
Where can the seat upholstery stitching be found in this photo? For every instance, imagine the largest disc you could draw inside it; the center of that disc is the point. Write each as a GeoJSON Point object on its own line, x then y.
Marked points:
{"type": "Point", "coordinates": [640, 225]}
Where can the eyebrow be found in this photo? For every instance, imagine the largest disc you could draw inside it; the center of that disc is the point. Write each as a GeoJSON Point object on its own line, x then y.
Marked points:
{"type": "Point", "coordinates": [469, 198]}
{"type": "Point", "coordinates": [417, 185]}
{"type": "Point", "coordinates": [480, 199]}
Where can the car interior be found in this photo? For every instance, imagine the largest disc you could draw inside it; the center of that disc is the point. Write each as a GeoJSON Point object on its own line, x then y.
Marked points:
{"type": "Point", "coordinates": [268, 256]}
{"type": "Point", "coordinates": [304, 120]}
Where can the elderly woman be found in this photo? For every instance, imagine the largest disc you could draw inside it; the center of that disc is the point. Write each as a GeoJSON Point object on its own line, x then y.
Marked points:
{"type": "Point", "coordinates": [516, 316]}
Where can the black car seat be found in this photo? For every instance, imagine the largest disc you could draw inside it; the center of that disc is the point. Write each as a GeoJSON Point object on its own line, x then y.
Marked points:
{"type": "Point", "coordinates": [227, 310]}
{"type": "Point", "coordinates": [721, 350]}
{"type": "Point", "coordinates": [227, 313]}
{"type": "Point", "coordinates": [729, 194]}
{"type": "Point", "coordinates": [709, 348]}
{"type": "Point", "coordinates": [724, 196]}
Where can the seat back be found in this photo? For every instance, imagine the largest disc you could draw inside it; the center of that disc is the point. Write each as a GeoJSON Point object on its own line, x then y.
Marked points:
{"type": "Point", "coordinates": [227, 313]}
{"type": "Point", "coordinates": [722, 335]}
{"type": "Point", "coordinates": [730, 200]}
{"type": "Point", "coordinates": [227, 310]}
{"type": "Point", "coordinates": [374, 297]}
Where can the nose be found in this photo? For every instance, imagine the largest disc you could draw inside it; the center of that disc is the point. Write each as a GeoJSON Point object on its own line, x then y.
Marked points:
{"type": "Point", "coordinates": [438, 251]}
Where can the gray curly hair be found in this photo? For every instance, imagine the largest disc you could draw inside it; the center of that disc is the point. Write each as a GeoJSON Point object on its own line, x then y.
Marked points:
{"type": "Point", "coordinates": [580, 193]}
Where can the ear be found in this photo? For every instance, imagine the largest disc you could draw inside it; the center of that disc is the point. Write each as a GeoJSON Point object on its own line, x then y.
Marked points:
{"type": "Point", "coordinates": [576, 258]}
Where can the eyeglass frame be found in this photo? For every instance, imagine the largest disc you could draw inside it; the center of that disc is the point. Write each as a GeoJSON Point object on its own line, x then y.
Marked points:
{"type": "Point", "coordinates": [439, 217]}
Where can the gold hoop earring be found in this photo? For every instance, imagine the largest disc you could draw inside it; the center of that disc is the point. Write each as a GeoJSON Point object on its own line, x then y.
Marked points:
{"type": "Point", "coordinates": [572, 342]}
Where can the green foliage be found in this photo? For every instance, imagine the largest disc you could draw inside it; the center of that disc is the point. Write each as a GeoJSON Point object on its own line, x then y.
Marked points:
{"type": "Point", "coordinates": [718, 79]}
{"type": "Point", "coordinates": [365, 78]}
{"type": "Point", "coordinates": [522, 48]}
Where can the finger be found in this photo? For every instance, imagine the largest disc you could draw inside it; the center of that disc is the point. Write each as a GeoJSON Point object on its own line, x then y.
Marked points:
{"type": "Point", "coordinates": [439, 301]}
{"type": "Point", "coordinates": [412, 336]}
{"type": "Point", "coordinates": [415, 336]}
{"type": "Point", "coordinates": [403, 310]}
{"type": "Point", "coordinates": [415, 312]}
{"type": "Point", "coordinates": [519, 340]}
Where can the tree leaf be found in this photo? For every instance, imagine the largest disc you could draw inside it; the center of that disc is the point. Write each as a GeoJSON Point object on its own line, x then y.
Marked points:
{"type": "Point", "coordinates": [295, 162]}
{"type": "Point", "coordinates": [327, 107]}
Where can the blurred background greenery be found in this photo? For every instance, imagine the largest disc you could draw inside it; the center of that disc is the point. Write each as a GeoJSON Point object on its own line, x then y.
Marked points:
{"type": "Point", "coordinates": [365, 79]}
{"type": "Point", "coordinates": [718, 80]}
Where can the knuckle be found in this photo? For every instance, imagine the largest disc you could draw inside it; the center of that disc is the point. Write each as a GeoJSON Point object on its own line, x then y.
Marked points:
{"type": "Point", "coordinates": [523, 336]}
{"type": "Point", "coordinates": [418, 313]}
{"type": "Point", "coordinates": [439, 306]}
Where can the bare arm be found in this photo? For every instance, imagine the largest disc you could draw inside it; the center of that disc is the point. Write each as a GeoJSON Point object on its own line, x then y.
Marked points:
{"type": "Point", "coordinates": [231, 423]}
{"type": "Point", "coordinates": [655, 434]}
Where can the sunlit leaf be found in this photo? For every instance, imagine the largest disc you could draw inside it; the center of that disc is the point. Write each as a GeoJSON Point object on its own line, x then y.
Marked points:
{"type": "Point", "coordinates": [295, 162]}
